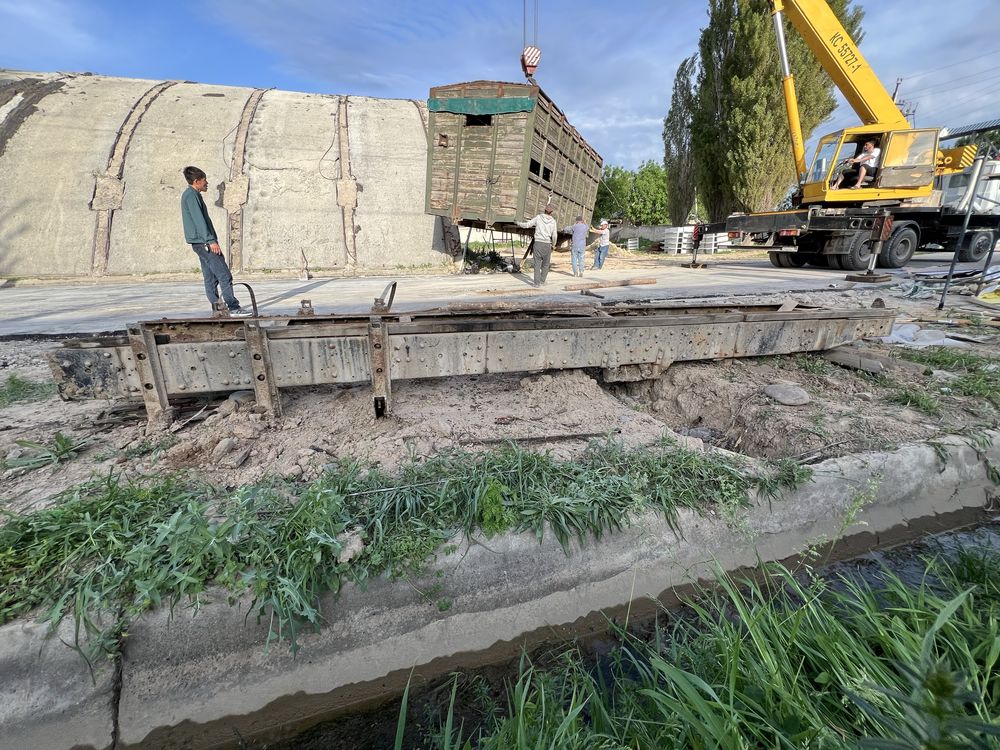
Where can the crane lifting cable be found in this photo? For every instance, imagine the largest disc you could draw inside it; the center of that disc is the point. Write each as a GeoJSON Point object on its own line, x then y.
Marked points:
{"type": "Point", "coordinates": [531, 55]}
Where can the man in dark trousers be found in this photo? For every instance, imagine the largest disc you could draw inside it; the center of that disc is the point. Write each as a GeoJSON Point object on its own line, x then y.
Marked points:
{"type": "Point", "coordinates": [200, 234]}
{"type": "Point", "coordinates": [546, 235]}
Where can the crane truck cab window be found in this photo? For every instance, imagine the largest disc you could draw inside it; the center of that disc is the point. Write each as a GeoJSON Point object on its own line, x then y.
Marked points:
{"type": "Point", "coordinates": [824, 161]}
{"type": "Point", "coordinates": [908, 158]}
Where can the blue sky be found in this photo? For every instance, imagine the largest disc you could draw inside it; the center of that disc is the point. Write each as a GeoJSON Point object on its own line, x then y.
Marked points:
{"type": "Point", "coordinates": [609, 66]}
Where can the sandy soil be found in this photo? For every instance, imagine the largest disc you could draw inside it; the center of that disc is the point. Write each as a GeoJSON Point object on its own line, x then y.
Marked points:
{"type": "Point", "coordinates": [719, 404]}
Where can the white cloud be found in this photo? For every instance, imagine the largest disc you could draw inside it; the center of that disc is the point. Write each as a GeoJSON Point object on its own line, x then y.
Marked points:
{"type": "Point", "coordinates": [26, 27]}
{"type": "Point", "coordinates": [610, 70]}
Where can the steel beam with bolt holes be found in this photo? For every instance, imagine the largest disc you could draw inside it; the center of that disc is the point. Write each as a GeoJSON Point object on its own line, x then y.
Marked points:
{"type": "Point", "coordinates": [162, 361]}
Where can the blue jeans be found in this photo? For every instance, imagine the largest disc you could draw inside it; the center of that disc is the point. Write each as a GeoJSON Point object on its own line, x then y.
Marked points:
{"type": "Point", "coordinates": [576, 259]}
{"type": "Point", "coordinates": [215, 272]}
{"type": "Point", "coordinates": [599, 256]}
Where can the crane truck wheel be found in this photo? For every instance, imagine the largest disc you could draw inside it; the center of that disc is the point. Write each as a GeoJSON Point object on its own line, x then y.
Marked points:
{"type": "Point", "coordinates": [858, 254]}
{"type": "Point", "coordinates": [775, 259]}
{"type": "Point", "coordinates": [795, 260]}
{"type": "Point", "coordinates": [899, 249]}
{"type": "Point", "coordinates": [976, 246]}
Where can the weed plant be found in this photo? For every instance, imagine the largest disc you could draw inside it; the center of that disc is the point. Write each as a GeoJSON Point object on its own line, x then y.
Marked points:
{"type": "Point", "coordinates": [918, 400]}
{"type": "Point", "coordinates": [17, 389]}
{"type": "Point", "coordinates": [813, 364]}
{"type": "Point", "coordinates": [61, 448]}
{"type": "Point", "coordinates": [107, 551]}
{"type": "Point", "coordinates": [780, 663]}
{"type": "Point", "coordinates": [978, 376]}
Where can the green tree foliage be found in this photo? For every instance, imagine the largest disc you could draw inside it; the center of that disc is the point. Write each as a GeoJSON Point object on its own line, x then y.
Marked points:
{"type": "Point", "coordinates": [612, 193]}
{"type": "Point", "coordinates": [739, 134]}
{"type": "Point", "coordinates": [649, 195]}
{"type": "Point", "coordinates": [678, 156]}
{"type": "Point", "coordinates": [634, 197]}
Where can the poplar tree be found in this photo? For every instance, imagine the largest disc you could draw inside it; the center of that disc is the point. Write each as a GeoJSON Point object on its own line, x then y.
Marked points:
{"type": "Point", "coordinates": [740, 142]}
{"type": "Point", "coordinates": [678, 156]}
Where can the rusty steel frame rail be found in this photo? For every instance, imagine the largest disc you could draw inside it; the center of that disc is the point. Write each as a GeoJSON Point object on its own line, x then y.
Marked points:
{"type": "Point", "coordinates": [169, 359]}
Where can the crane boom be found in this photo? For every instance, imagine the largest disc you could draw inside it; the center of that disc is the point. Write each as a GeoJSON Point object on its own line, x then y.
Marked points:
{"type": "Point", "coordinates": [840, 57]}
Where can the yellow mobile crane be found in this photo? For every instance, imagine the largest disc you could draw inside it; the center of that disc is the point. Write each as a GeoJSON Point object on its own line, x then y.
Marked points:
{"type": "Point", "coordinates": [832, 220]}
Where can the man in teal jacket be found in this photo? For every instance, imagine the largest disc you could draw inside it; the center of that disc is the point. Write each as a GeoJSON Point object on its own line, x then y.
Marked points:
{"type": "Point", "coordinates": [200, 234]}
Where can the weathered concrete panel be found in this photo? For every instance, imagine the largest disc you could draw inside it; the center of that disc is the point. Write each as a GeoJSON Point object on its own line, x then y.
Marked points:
{"type": "Point", "coordinates": [188, 124]}
{"type": "Point", "coordinates": [388, 146]}
{"type": "Point", "coordinates": [51, 698]}
{"type": "Point", "coordinates": [47, 175]}
{"type": "Point", "coordinates": [293, 153]}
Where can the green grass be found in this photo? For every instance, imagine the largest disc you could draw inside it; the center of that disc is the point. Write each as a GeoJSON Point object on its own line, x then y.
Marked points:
{"type": "Point", "coordinates": [916, 399]}
{"type": "Point", "coordinates": [779, 663]}
{"type": "Point", "coordinates": [108, 551]}
{"type": "Point", "coordinates": [61, 448]}
{"type": "Point", "coordinates": [813, 364]}
{"type": "Point", "coordinates": [979, 376]}
{"type": "Point", "coordinates": [17, 389]}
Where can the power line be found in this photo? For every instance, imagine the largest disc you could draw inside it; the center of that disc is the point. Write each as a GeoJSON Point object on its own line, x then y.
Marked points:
{"type": "Point", "coordinates": [951, 104]}
{"type": "Point", "coordinates": [951, 84]}
{"type": "Point", "coordinates": [952, 65]}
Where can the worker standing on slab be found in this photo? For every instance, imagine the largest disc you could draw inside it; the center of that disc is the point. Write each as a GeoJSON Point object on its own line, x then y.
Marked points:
{"type": "Point", "coordinates": [603, 233]}
{"type": "Point", "coordinates": [200, 234]}
{"type": "Point", "coordinates": [546, 233]}
{"type": "Point", "coordinates": [579, 230]}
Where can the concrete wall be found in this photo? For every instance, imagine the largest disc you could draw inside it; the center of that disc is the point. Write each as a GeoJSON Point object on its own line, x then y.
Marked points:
{"type": "Point", "coordinates": [191, 680]}
{"type": "Point", "coordinates": [292, 189]}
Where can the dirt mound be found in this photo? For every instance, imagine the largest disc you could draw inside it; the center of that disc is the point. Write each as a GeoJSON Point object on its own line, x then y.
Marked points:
{"type": "Point", "coordinates": [725, 404]}
{"type": "Point", "coordinates": [237, 445]}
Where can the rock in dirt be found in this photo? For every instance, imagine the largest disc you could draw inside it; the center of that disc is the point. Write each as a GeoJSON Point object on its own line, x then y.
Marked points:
{"type": "Point", "coordinates": [787, 394]}
{"type": "Point", "coordinates": [351, 545]}
{"type": "Point", "coordinates": [227, 407]}
{"type": "Point", "coordinates": [943, 376]}
{"type": "Point", "coordinates": [242, 397]}
{"type": "Point", "coordinates": [235, 460]}
{"type": "Point", "coordinates": [703, 433]}
{"type": "Point", "coordinates": [181, 451]}
{"type": "Point", "coordinates": [246, 430]}
{"type": "Point", "coordinates": [224, 446]}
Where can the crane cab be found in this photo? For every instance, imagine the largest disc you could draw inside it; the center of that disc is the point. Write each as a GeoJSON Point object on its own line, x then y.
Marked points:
{"type": "Point", "coordinates": [905, 169]}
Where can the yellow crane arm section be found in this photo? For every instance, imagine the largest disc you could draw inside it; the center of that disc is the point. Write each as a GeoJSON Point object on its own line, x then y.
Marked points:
{"type": "Point", "coordinates": [843, 62]}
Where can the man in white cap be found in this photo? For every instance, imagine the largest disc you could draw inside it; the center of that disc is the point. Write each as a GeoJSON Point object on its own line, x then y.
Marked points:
{"type": "Point", "coordinates": [546, 233]}
{"type": "Point", "coordinates": [603, 233]}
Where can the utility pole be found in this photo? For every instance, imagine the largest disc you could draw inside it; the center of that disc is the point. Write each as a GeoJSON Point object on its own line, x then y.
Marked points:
{"type": "Point", "coordinates": [896, 90]}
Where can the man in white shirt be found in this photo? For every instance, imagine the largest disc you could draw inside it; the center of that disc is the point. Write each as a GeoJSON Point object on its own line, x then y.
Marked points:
{"type": "Point", "coordinates": [546, 233]}
{"type": "Point", "coordinates": [866, 164]}
{"type": "Point", "coordinates": [603, 233]}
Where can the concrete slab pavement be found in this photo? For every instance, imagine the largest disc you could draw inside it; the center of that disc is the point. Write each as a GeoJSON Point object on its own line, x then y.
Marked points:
{"type": "Point", "coordinates": [83, 307]}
